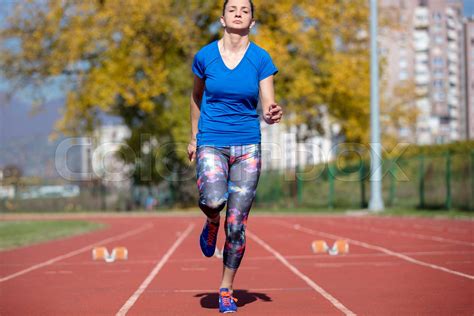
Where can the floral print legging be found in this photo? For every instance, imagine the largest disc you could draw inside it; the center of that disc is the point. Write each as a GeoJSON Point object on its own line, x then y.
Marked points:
{"type": "Point", "coordinates": [229, 174]}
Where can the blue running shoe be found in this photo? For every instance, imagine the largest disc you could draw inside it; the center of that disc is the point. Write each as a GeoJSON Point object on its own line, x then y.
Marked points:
{"type": "Point", "coordinates": [208, 238]}
{"type": "Point", "coordinates": [226, 301]}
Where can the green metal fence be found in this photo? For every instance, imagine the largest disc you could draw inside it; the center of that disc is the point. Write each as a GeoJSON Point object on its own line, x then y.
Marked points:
{"type": "Point", "coordinates": [443, 181]}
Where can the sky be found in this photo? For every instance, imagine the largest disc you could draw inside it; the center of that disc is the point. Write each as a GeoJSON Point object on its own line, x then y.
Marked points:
{"type": "Point", "coordinates": [469, 7]}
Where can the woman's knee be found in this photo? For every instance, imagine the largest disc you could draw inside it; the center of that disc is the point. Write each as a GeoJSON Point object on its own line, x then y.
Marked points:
{"type": "Point", "coordinates": [212, 205]}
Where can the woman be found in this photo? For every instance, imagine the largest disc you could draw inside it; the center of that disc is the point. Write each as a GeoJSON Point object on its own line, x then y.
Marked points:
{"type": "Point", "coordinates": [230, 75]}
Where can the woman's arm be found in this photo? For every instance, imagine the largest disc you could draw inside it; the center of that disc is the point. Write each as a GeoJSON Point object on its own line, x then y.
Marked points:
{"type": "Point", "coordinates": [272, 112]}
{"type": "Point", "coordinates": [195, 110]}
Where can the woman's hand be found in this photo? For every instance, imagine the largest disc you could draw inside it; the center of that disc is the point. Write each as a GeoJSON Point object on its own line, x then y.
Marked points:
{"type": "Point", "coordinates": [274, 114]}
{"type": "Point", "coordinates": [192, 150]}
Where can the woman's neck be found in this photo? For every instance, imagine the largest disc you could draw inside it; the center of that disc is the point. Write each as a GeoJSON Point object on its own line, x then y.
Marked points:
{"type": "Point", "coordinates": [235, 43]}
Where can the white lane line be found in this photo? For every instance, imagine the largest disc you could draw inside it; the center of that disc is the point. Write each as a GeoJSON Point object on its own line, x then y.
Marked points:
{"type": "Point", "coordinates": [269, 258]}
{"type": "Point", "coordinates": [194, 269]}
{"type": "Point", "coordinates": [378, 248]}
{"type": "Point", "coordinates": [350, 264]}
{"type": "Point", "coordinates": [126, 307]}
{"type": "Point", "coordinates": [305, 278]}
{"type": "Point", "coordinates": [435, 224]}
{"type": "Point", "coordinates": [76, 252]}
{"type": "Point", "coordinates": [249, 291]}
{"type": "Point", "coordinates": [395, 232]}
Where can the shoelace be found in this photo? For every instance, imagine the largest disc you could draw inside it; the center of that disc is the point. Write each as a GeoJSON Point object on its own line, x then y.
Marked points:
{"type": "Point", "coordinates": [211, 235]}
{"type": "Point", "coordinates": [226, 297]}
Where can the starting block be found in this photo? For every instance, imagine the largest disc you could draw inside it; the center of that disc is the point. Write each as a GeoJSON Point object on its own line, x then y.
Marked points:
{"type": "Point", "coordinates": [340, 247]}
{"type": "Point", "coordinates": [101, 253]}
{"type": "Point", "coordinates": [319, 246]}
{"type": "Point", "coordinates": [120, 253]}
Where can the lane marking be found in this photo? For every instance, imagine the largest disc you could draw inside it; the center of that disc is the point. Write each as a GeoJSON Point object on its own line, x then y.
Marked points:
{"type": "Point", "coordinates": [378, 248]}
{"type": "Point", "coordinates": [193, 269]}
{"type": "Point", "coordinates": [263, 258]}
{"type": "Point", "coordinates": [305, 278]}
{"type": "Point", "coordinates": [395, 232]}
{"type": "Point", "coordinates": [76, 252]}
{"type": "Point", "coordinates": [131, 301]}
{"type": "Point", "coordinates": [441, 224]}
{"type": "Point", "coordinates": [58, 272]}
{"type": "Point", "coordinates": [247, 291]}
{"type": "Point", "coordinates": [348, 264]}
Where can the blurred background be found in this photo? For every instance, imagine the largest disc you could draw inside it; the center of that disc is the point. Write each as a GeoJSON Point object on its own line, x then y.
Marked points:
{"type": "Point", "coordinates": [94, 103]}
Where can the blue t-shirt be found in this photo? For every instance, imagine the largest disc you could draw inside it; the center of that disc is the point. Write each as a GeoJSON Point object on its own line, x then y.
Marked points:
{"type": "Point", "coordinates": [229, 103]}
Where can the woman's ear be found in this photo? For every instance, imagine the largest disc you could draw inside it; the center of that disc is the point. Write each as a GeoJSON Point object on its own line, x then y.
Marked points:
{"type": "Point", "coordinates": [222, 21]}
{"type": "Point", "coordinates": [252, 24]}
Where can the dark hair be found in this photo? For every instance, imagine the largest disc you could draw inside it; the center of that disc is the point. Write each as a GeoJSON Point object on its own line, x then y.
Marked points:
{"type": "Point", "coordinates": [251, 7]}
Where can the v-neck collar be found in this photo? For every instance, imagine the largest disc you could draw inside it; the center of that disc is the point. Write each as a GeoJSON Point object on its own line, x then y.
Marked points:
{"type": "Point", "coordinates": [240, 61]}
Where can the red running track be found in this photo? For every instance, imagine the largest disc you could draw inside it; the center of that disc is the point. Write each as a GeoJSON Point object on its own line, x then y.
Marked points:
{"type": "Point", "coordinates": [396, 266]}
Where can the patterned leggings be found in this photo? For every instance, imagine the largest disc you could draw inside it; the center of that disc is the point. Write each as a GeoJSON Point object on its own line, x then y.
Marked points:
{"type": "Point", "coordinates": [229, 174]}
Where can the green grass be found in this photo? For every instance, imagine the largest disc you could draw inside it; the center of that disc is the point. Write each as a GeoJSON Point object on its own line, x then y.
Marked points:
{"type": "Point", "coordinates": [22, 233]}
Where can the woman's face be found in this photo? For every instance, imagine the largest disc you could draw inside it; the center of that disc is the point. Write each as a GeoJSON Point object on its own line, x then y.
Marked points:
{"type": "Point", "coordinates": [238, 15]}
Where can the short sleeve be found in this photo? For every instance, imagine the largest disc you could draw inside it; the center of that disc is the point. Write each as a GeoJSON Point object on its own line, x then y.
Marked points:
{"type": "Point", "coordinates": [198, 65]}
{"type": "Point", "coordinates": [267, 68]}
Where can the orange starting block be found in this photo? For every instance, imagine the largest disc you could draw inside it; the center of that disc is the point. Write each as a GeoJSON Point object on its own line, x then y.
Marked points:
{"type": "Point", "coordinates": [101, 253]}
{"type": "Point", "coordinates": [120, 253]}
{"type": "Point", "coordinates": [339, 247]}
{"type": "Point", "coordinates": [319, 246]}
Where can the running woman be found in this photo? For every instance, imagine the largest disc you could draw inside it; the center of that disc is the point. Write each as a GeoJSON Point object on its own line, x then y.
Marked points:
{"type": "Point", "coordinates": [230, 76]}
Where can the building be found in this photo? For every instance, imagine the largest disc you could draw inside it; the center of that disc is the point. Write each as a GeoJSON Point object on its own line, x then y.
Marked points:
{"type": "Point", "coordinates": [281, 151]}
{"type": "Point", "coordinates": [426, 47]}
{"type": "Point", "coordinates": [99, 156]}
{"type": "Point", "coordinates": [469, 75]}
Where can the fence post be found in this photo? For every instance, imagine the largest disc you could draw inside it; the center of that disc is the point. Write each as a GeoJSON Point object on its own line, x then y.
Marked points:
{"type": "Point", "coordinates": [331, 186]}
{"type": "Point", "coordinates": [103, 196]}
{"type": "Point", "coordinates": [171, 187]}
{"type": "Point", "coordinates": [280, 192]}
{"type": "Point", "coordinates": [422, 180]}
{"type": "Point", "coordinates": [472, 181]}
{"type": "Point", "coordinates": [448, 181]}
{"type": "Point", "coordinates": [256, 200]}
{"type": "Point", "coordinates": [363, 204]}
{"type": "Point", "coordinates": [392, 183]}
{"type": "Point", "coordinates": [299, 187]}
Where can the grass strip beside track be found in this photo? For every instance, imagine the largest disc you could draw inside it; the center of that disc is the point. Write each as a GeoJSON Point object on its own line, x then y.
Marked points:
{"type": "Point", "coordinates": [22, 233]}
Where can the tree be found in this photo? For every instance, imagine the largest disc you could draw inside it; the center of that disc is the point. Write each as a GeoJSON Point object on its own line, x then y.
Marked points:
{"type": "Point", "coordinates": [399, 113]}
{"type": "Point", "coordinates": [11, 174]}
{"type": "Point", "coordinates": [132, 58]}
{"type": "Point", "coordinates": [123, 57]}
{"type": "Point", "coordinates": [322, 49]}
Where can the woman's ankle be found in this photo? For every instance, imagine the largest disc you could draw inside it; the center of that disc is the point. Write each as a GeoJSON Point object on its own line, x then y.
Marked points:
{"type": "Point", "coordinates": [229, 287]}
{"type": "Point", "coordinates": [214, 219]}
